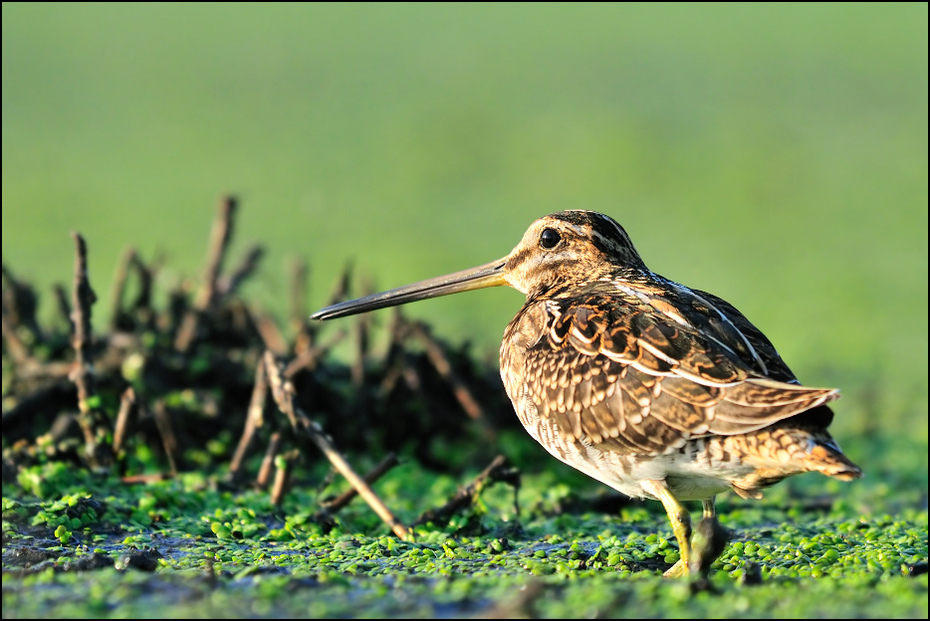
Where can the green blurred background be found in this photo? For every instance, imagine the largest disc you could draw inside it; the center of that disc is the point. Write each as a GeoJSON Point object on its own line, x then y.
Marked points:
{"type": "Point", "coordinates": [775, 155]}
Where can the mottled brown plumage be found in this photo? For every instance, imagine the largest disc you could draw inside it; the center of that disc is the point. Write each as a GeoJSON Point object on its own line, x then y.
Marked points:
{"type": "Point", "coordinates": [655, 389]}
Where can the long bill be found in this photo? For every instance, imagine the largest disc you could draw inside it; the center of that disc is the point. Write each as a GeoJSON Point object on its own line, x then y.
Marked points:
{"type": "Point", "coordinates": [487, 275]}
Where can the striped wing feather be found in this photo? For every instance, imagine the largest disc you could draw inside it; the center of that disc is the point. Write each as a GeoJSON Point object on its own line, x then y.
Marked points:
{"type": "Point", "coordinates": [647, 374]}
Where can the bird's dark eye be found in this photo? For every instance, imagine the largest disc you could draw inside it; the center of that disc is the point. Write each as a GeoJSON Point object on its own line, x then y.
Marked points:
{"type": "Point", "coordinates": [549, 239]}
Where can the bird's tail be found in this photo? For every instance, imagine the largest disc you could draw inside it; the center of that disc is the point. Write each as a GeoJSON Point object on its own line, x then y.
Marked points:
{"type": "Point", "coordinates": [782, 451]}
{"type": "Point", "coordinates": [824, 455]}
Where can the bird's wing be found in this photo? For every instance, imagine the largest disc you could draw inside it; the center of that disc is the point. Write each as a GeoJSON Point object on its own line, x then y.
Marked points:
{"type": "Point", "coordinates": [642, 372]}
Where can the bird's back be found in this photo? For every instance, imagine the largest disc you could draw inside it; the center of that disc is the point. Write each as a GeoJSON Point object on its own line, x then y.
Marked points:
{"type": "Point", "coordinates": [641, 378]}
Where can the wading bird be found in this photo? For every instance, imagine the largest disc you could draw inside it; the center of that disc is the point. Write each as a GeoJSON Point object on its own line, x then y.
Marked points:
{"type": "Point", "coordinates": [655, 389]}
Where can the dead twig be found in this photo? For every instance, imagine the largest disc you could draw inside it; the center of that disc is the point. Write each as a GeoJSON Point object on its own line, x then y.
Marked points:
{"type": "Point", "coordinates": [128, 410]}
{"type": "Point", "coordinates": [82, 299]}
{"type": "Point", "coordinates": [282, 476]}
{"type": "Point", "coordinates": [437, 357]}
{"type": "Point", "coordinates": [16, 346]}
{"type": "Point", "coordinates": [228, 284]}
{"type": "Point", "coordinates": [61, 299]}
{"type": "Point", "coordinates": [254, 419]}
{"type": "Point", "coordinates": [94, 423]}
{"type": "Point", "coordinates": [467, 495]}
{"type": "Point", "coordinates": [134, 479]}
{"type": "Point", "coordinates": [305, 428]}
{"type": "Point", "coordinates": [341, 289]}
{"type": "Point", "coordinates": [145, 273]}
{"type": "Point", "coordinates": [20, 304]}
{"type": "Point", "coordinates": [333, 506]}
{"type": "Point", "coordinates": [168, 438]}
{"type": "Point", "coordinates": [308, 358]}
{"type": "Point", "coordinates": [274, 447]}
{"type": "Point", "coordinates": [117, 314]}
{"type": "Point", "coordinates": [270, 333]}
{"type": "Point", "coordinates": [208, 293]}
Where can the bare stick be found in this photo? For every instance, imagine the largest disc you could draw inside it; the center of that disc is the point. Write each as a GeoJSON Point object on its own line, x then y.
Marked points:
{"type": "Point", "coordinates": [282, 476]}
{"type": "Point", "coordinates": [144, 298]}
{"type": "Point", "coordinates": [168, 439]}
{"type": "Point", "coordinates": [341, 290]}
{"type": "Point", "coordinates": [228, 284]}
{"type": "Point", "coordinates": [94, 424]}
{"type": "Point", "coordinates": [270, 333]}
{"type": "Point", "coordinates": [389, 381]}
{"type": "Point", "coordinates": [376, 473]}
{"type": "Point", "coordinates": [21, 303]}
{"type": "Point", "coordinates": [82, 299]}
{"type": "Point", "coordinates": [64, 309]}
{"type": "Point", "coordinates": [207, 294]}
{"type": "Point", "coordinates": [124, 420]}
{"type": "Point", "coordinates": [264, 473]}
{"type": "Point", "coordinates": [18, 349]}
{"type": "Point", "coordinates": [308, 358]}
{"type": "Point", "coordinates": [119, 287]}
{"type": "Point", "coordinates": [219, 241]}
{"type": "Point", "coordinates": [466, 496]}
{"type": "Point", "coordinates": [305, 428]}
{"type": "Point", "coordinates": [146, 478]}
{"type": "Point", "coordinates": [440, 361]}
{"type": "Point", "coordinates": [253, 420]}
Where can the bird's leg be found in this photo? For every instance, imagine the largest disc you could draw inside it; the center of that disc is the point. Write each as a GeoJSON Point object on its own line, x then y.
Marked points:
{"type": "Point", "coordinates": [709, 509]}
{"type": "Point", "coordinates": [708, 541]}
{"type": "Point", "coordinates": [681, 525]}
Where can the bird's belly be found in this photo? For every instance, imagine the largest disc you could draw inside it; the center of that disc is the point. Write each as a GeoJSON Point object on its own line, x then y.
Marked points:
{"type": "Point", "coordinates": [684, 475]}
{"type": "Point", "coordinates": [693, 472]}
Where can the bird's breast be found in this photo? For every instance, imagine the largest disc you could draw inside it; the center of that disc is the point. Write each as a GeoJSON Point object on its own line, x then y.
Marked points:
{"type": "Point", "coordinates": [522, 333]}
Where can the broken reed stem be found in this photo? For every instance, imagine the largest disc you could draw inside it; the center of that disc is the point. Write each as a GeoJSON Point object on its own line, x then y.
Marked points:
{"type": "Point", "coordinates": [308, 358]}
{"type": "Point", "coordinates": [64, 309]}
{"type": "Point", "coordinates": [133, 479]}
{"type": "Point", "coordinates": [168, 439]}
{"type": "Point", "coordinates": [219, 242]}
{"type": "Point", "coordinates": [439, 360]}
{"type": "Point", "coordinates": [119, 287]}
{"type": "Point", "coordinates": [207, 294]}
{"type": "Point", "coordinates": [20, 304]}
{"type": "Point", "coordinates": [144, 298]}
{"type": "Point", "coordinates": [264, 473]}
{"type": "Point", "coordinates": [282, 477]}
{"type": "Point", "coordinates": [94, 424]}
{"type": "Point", "coordinates": [341, 289]}
{"type": "Point", "coordinates": [18, 349]}
{"type": "Point", "coordinates": [465, 496]}
{"type": "Point", "coordinates": [254, 419]}
{"type": "Point", "coordinates": [270, 333]}
{"type": "Point", "coordinates": [304, 427]}
{"type": "Point", "coordinates": [128, 408]}
{"type": "Point", "coordinates": [228, 285]}
{"type": "Point", "coordinates": [376, 473]}
{"type": "Point", "coordinates": [83, 298]}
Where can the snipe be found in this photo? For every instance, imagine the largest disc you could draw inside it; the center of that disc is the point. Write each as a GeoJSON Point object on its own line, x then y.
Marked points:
{"type": "Point", "coordinates": [655, 389]}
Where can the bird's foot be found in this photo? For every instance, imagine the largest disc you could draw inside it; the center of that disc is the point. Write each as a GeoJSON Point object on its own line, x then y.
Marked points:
{"type": "Point", "coordinates": [677, 570]}
{"type": "Point", "coordinates": [708, 542]}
